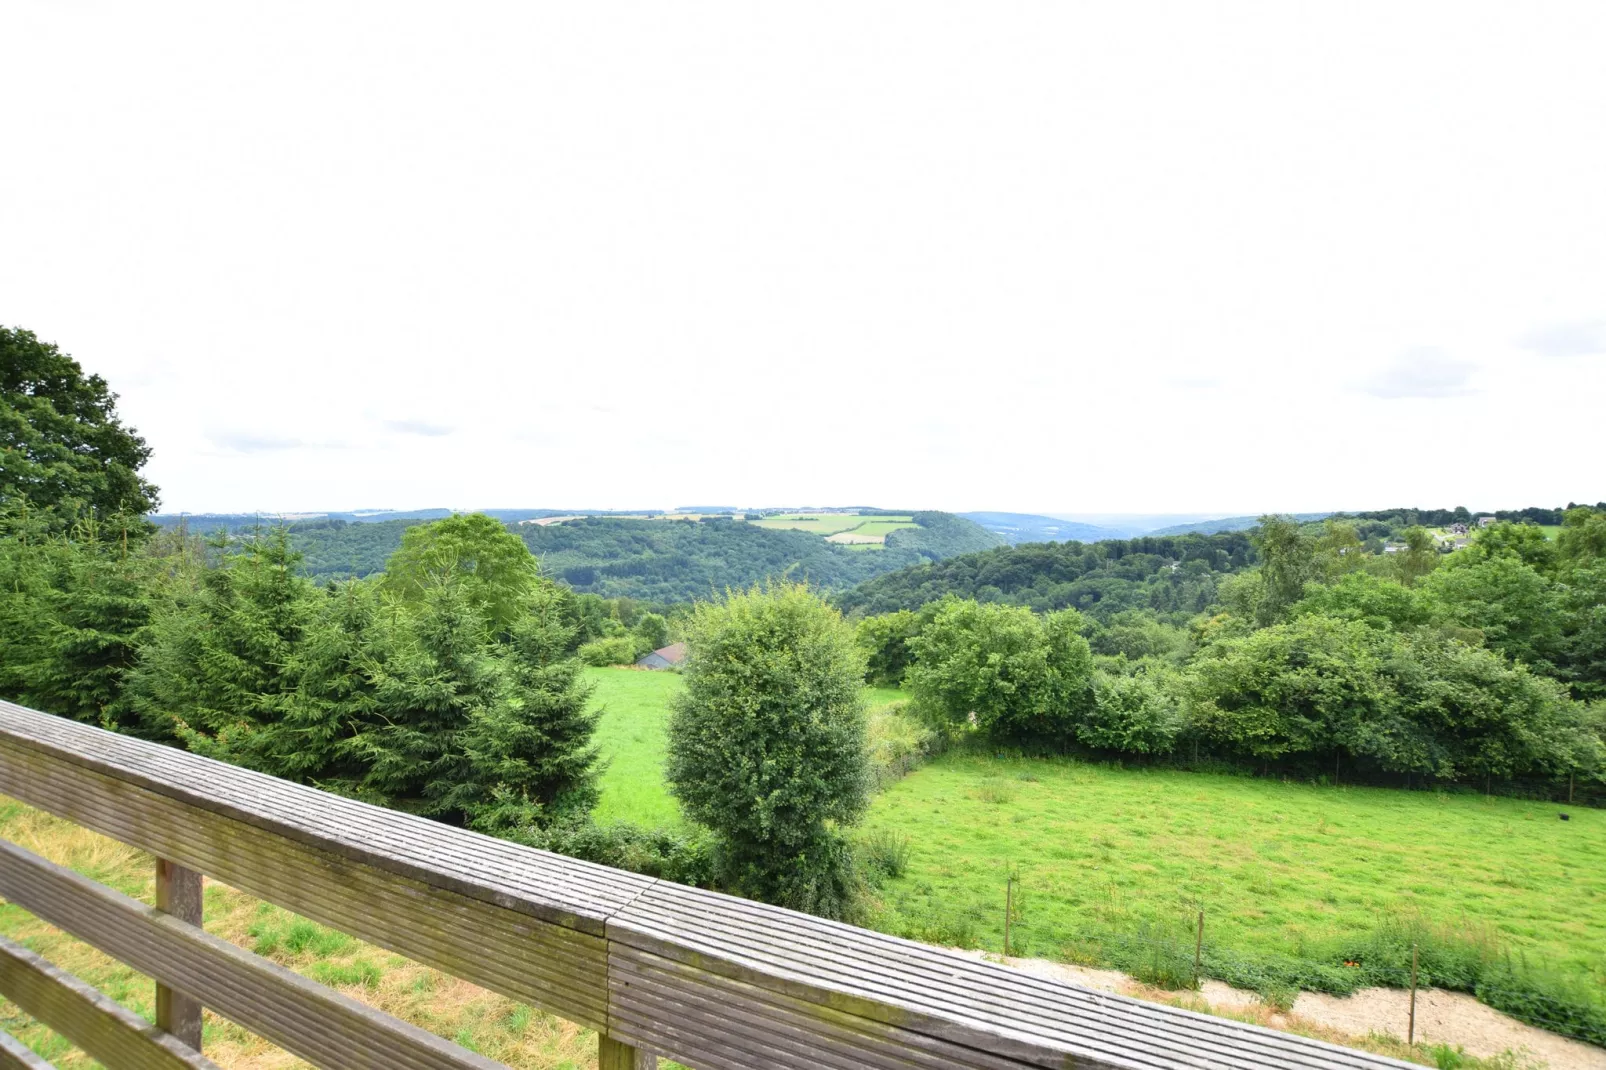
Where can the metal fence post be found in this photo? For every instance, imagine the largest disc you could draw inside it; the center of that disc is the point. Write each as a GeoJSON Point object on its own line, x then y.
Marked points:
{"type": "Point", "coordinates": [1410, 1031]}
{"type": "Point", "coordinates": [178, 892]}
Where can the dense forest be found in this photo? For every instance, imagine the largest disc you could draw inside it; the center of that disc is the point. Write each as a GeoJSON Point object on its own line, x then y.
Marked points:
{"type": "Point", "coordinates": [1175, 576]}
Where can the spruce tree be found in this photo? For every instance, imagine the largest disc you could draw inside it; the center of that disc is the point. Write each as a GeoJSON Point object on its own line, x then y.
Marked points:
{"type": "Point", "coordinates": [333, 698]}
{"type": "Point", "coordinates": [527, 759]}
{"type": "Point", "coordinates": [94, 611]}
{"type": "Point", "coordinates": [434, 674]}
{"type": "Point", "coordinates": [215, 672]}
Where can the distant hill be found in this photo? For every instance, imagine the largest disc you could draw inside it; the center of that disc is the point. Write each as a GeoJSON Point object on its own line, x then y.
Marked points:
{"type": "Point", "coordinates": [654, 560]}
{"type": "Point", "coordinates": [1231, 523]}
{"type": "Point", "coordinates": [1017, 528]}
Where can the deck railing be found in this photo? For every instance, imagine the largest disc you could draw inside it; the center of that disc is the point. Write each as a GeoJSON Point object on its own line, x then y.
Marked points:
{"type": "Point", "coordinates": [656, 968]}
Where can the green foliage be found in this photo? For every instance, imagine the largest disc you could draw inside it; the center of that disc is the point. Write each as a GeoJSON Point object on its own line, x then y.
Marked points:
{"type": "Point", "coordinates": [767, 743]}
{"type": "Point", "coordinates": [884, 641]}
{"type": "Point", "coordinates": [472, 551]}
{"type": "Point", "coordinates": [1137, 714]}
{"type": "Point", "coordinates": [1004, 671]}
{"type": "Point", "coordinates": [652, 629]}
{"type": "Point", "coordinates": [618, 650]}
{"type": "Point", "coordinates": [685, 856]}
{"type": "Point", "coordinates": [1100, 579]}
{"type": "Point", "coordinates": [214, 669]}
{"type": "Point", "coordinates": [884, 854]}
{"type": "Point", "coordinates": [68, 456]}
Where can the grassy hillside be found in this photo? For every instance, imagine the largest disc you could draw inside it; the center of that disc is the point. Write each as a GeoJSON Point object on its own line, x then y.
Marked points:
{"type": "Point", "coordinates": [1282, 871]}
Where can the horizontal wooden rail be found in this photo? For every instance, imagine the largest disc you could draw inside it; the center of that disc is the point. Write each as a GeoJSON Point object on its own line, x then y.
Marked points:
{"type": "Point", "coordinates": [102, 1027]}
{"type": "Point", "coordinates": [301, 1016]}
{"type": "Point", "coordinates": [712, 981]}
{"type": "Point", "coordinates": [15, 1055]}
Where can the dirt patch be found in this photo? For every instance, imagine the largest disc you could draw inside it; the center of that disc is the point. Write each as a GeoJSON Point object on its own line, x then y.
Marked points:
{"type": "Point", "coordinates": [1451, 1018]}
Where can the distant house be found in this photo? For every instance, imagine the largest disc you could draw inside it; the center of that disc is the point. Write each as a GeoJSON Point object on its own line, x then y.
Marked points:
{"type": "Point", "coordinates": [664, 657]}
{"type": "Point", "coordinates": [1485, 521]}
{"type": "Point", "coordinates": [1457, 529]}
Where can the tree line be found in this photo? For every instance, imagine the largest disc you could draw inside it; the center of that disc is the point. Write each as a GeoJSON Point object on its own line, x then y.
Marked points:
{"type": "Point", "coordinates": [1484, 664]}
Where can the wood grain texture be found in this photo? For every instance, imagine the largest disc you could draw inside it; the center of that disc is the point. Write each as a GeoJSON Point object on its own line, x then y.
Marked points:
{"type": "Point", "coordinates": [511, 952]}
{"type": "Point", "coordinates": [178, 892]}
{"type": "Point", "coordinates": [614, 1055]}
{"type": "Point", "coordinates": [323, 1027]}
{"type": "Point", "coordinates": [107, 1030]}
{"type": "Point", "coordinates": [15, 1055]}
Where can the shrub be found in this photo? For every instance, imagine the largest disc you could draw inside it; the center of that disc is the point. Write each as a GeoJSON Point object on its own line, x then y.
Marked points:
{"type": "Point", "coordinates": [617, 650]}
{"type": "Point", "coordinates": [1021, 678]}
{"type": "Point", "coordinates": [767, 743]}
{"type": "Point", "coordinates": [884, 853]}
{"type": "Point", "coordinates": [682, 856]}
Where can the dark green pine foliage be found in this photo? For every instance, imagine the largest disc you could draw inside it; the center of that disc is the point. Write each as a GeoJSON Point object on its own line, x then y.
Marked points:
{"type": "Point", "coordinates": [434, 675]}
{"type": "Point", "coordinates": [334, 700]}
{"type": "Point", "coordinates": [527, 759]}
{"type": "Point", "coordinates": [215, 673]}
{"type": "Point", "coordinates": [94, 613]}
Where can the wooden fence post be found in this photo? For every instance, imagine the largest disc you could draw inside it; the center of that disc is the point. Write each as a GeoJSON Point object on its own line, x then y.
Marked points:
{"type": "Point", "coordinates": [1410, 1030]}
{"type": "Point", "coordinates": [178, 892]}
{"type": "Point", "coordinates": [612, 1055]}
{"type": "Point", "coordinates": [1198, 948]}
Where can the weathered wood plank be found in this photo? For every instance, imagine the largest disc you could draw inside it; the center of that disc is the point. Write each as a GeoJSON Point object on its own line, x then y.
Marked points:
{"type": "Point", "coordinates": [178, 892]}
{"type": "Point", "coordinates": [972, 1005]}
{"type": "Point", "coordinates": [613, 1055]}
{"type": "Point", "coordinates": [15, 1055]}
{"type": "Point", "coordinates": [94, 1022]}
{"type": "Point", "coordinates": [507, 951]}
{"type": "Point", "coordinates": [322, 1026]}
{"type": "Point", "coordinates": [563, 891]}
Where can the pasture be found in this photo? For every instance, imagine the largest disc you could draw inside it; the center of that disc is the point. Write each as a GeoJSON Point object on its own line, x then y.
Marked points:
{"type": "Point", "coordinates": [846, 529]}
{"type": "Point", "coordinates": [1287, 870]}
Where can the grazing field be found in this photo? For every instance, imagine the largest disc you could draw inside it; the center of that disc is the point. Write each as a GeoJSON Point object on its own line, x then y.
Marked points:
{"type": "Point", "coordinates": [1279, 869]}
{"type": "Point", "coordinates": [635, 710]}
{"type": "Point", "coordinates": [818, 523]}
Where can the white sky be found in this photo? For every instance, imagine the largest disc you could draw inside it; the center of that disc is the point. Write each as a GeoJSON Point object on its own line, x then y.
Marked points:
{"type": "Point", "coordinates": [1036, 257]}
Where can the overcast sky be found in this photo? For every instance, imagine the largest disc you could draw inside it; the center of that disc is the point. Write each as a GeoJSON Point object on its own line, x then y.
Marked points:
{"type": "Point", "coordinates": [1048, 257]}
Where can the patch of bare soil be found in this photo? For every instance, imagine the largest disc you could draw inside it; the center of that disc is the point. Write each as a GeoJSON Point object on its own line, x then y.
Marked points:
{"type": "Point", "coordinates": [1451, 1018]}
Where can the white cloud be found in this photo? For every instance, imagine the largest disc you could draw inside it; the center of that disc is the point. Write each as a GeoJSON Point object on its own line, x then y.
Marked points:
{"type": "Point", "coordinates": [1422, 373]}
{"type": "Point", "coordinates": [418, 427]}
{"type": "Point", "coordinates": [1580, 338]}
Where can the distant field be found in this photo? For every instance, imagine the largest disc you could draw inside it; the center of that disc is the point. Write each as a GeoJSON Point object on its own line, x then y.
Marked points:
{"type": "Point", "coordinates": [1277, 868]}
{"type": "Point", "coordinates": [631, 738]}
{"type": "Point", "coordinates": [850, 530]}
{"type": "Point", "coordinates": [818, 523]}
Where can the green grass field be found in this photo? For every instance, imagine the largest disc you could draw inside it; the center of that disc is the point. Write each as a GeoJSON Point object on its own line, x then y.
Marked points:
{"type": "Point", "coordinates": [818, 523]}
{"type": "Point", "coordinates": [1277, 868]}
{"type": "Point", "coordinates": [635, 707]}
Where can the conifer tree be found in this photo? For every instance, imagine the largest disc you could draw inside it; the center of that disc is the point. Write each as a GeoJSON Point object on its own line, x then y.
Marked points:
{"type": "Point", "coordinates": [334, 700]}
{"type": "Point", "coordinates": [215, 672]}
{"type": "Point", "coordinates": [527, 759]}
{"type": "Point", "coordinates": [434, 674]}
{"type": "Point", "coordinates": [94, 612]}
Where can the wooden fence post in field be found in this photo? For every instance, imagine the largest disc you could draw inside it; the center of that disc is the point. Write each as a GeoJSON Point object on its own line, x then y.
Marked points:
{"type": "Point", "coordinates": [178, 892]}
{"type": "Point", "coordinates": [1198, 948]}
{"type": "Point", "coordinates": [1009, 909]}
{"type": "Point", "coordinates": [1410, 1031]}
{"type": "Point", "coordinates": [612, 1055]}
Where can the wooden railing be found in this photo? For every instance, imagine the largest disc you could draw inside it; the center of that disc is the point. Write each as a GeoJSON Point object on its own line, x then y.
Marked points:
{"type": "Point", "coordinates": [656, 968]}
